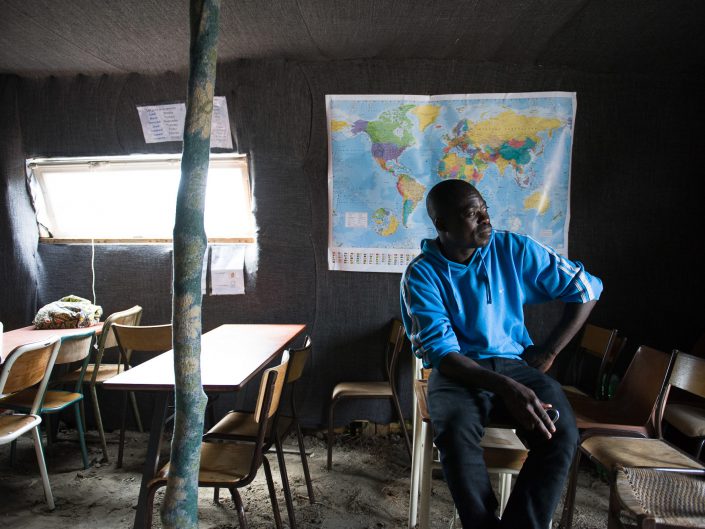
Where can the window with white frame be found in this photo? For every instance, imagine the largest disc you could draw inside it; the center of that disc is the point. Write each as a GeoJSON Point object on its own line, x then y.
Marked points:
{"type": "Point", "coordinates": [133, 198]}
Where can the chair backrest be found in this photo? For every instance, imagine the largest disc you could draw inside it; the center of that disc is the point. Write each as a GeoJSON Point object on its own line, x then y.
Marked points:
{"type": "Point", "coordinates": [639, 392]}
{"type": "Point", "coordinates": [604, 389]}
{"type": "Point", "coordinates": [687, 374]}
{"type": "Point", "coordinates": [107, 339]}
{"type": "Point", "coordinates": [395, 344]}
{"type": "Point", "coordinates": [268, 399]}
{"type": "Point", "coordinates": [297, 361]}
{"type": "Point", "coordinates": [130, 316]}
{"type": "Point", "coordinates": [75, 347]}
{"type": "Point", "coordinates": [145, 338]}
{"type": "Point", "coordinates": [597, 341]}
{"type": "Point", "coordinates": [398, 346]}
{"type": "Point", "coordinates": [28, 365]}
{"type": "Point", "coordinates": [592, 360]}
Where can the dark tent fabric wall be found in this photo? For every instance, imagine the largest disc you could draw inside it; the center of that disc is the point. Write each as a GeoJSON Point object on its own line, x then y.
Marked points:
{"type": "Point", "coordinates": [635, 202]}
{"type": "Point", "coordinates": [18, 232]}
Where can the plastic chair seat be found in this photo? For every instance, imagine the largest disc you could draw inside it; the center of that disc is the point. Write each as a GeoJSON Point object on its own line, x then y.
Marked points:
{"type": "Point", "coordinates": [12, 426]}
{"type": "Point", "coordinates": [105, 372]}
{"type": "Point", "coordinates": [690, 420]}
{"type": "Point", "coordinates": [221, 463]}
{"type": "Point", "coordinates": [54, 400]}
{"type": "Point", "coordinates": [361, 390]}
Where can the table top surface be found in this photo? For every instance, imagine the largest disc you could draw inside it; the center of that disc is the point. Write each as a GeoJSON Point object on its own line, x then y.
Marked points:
{"type": "Point", "coordinates": [25, 335]}
{"type": "Point", "coordinates": [231, 355]}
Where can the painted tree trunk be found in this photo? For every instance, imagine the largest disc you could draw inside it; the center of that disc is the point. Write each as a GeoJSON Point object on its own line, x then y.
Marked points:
{"type": "Point", "coordinates": [180, 506]}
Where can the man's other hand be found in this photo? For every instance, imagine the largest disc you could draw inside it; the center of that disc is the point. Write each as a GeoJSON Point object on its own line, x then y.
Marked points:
{"type": "Point", "coordinates": [538, 357]}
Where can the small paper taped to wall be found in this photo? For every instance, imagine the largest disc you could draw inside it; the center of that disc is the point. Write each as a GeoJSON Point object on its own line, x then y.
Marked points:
{"type": "Point", "coordinates": [227, 270]}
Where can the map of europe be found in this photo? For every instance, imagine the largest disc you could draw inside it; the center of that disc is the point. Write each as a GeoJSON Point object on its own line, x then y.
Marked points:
{"type": "Point", "coordinates": [386, 152]}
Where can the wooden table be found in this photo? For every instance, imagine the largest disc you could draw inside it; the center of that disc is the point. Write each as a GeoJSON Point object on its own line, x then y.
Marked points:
{"type": "Point", "coordinates": [25, 335]}
{"type": "Point", "coordinates": [231, 355]}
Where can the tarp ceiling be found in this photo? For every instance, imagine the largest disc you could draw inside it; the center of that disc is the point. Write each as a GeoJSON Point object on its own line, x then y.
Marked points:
{"type": "Point", "coordinates": [49, 37]}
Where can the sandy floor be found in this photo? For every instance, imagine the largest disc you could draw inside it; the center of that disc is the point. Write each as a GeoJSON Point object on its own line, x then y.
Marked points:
{"type": "Point", "coordinates": [367, 489]}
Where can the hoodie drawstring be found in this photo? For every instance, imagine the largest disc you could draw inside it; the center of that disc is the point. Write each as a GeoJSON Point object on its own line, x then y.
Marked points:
{"type": "Point", "coordinates": [488, 290]}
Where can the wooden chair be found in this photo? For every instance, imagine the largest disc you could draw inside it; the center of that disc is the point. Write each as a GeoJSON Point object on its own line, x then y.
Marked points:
{"type": "Point", "coordinates": [373, 390]}
{"type": "Point", "coordinates": [98, 372]}
{"type": "Point", "coordinates": [242, 426]}
{"type": "Point", "coordinates": [633, 412]}
{"type": "Point", "coordinates": [73, 348]}
{"type": "Point", "coordinates": [146, 339]}
{"type": "Point", "coordinates": [653, 481]}
{"type": "Point", "coordinates": [599, 344]}
{"type": "Point", "coordinates": [235, 465]}
{"type": "Point", "coordinates": [688, 375]}
{"type": "Point", "coordinates": [24, 367]}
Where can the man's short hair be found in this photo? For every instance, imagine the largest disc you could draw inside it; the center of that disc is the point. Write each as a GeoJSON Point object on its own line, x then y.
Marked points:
{"type": "Point", "coordinates": [445, 194]}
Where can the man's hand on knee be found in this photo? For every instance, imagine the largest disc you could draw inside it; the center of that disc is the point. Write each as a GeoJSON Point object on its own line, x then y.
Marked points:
{"type": "Point", "coordinates": [527, 409]}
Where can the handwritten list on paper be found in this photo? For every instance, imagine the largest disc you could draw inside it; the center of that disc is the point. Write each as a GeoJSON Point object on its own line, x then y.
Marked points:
{"type": "Point", "coordinates": [166, 123]}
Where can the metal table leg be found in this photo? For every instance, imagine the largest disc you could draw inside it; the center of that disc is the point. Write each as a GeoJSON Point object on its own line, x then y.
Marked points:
{"type": "Point", "coordinates": [151, 463]}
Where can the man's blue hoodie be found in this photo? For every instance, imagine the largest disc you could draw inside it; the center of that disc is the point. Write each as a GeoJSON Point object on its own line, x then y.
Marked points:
{"type": "Point", "coordinates": [477, 309]}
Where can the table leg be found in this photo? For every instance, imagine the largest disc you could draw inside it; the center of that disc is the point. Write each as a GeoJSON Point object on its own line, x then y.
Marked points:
{"type": "Point", "coordinates": [151, 463]}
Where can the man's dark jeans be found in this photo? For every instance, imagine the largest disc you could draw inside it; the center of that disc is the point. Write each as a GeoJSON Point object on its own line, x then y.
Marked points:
{"type": "Point", "coordinates": [460, 415]}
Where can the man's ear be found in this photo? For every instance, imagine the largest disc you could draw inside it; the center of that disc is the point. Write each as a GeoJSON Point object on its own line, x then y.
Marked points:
{"type": "Point", "coordinates": [439, 224]}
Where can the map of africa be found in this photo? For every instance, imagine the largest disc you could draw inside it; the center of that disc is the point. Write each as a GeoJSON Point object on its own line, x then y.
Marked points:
{"type": "Point", "coordinates": [386, 152]}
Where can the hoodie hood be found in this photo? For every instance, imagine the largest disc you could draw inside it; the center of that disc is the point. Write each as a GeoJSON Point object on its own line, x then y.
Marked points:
{"type": "Point", "coordinates": [453, 271]}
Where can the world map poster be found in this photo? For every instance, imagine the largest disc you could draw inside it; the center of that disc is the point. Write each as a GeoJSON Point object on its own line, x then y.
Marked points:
{"type": "Point", "coordinates": [385, 152]}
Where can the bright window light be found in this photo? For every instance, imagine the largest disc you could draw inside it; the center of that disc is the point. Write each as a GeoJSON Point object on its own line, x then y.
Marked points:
{"type": "Point", "coordinates": [134, 198]}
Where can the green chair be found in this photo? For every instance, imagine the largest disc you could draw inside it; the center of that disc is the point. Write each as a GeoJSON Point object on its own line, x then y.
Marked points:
{"type": "Point", "coordinates": [98, 372]}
